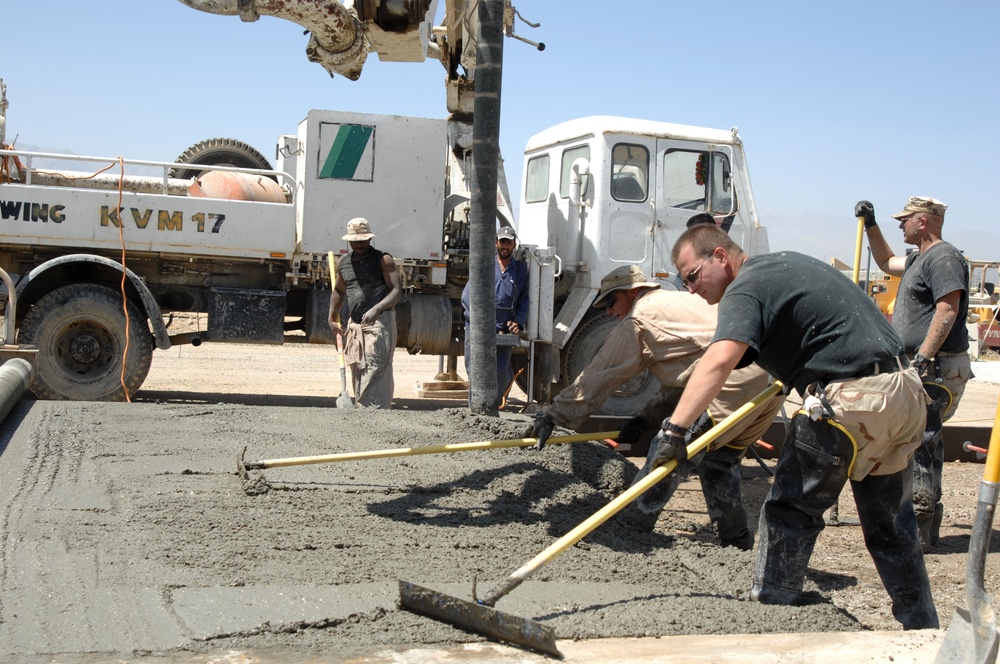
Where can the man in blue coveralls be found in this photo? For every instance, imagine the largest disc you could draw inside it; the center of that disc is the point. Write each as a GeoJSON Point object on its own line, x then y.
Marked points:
{"type": "Point", "coordinates": [511, 304]}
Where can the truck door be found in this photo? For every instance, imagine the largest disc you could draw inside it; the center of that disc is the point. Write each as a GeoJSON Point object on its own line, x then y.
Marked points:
{"type": "Point", "coordinates": [692, 178]}
{"type": "Point", "coordinates": [630, 210]}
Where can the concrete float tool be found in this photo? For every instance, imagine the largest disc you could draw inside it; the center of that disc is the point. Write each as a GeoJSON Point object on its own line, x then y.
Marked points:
{"type": "Point", "coordinates": [243, 466]}
{"type": "Point", "coordinates": [344, 400]}
{"type": "Point", "coordinates": [479, 614]}
{"type": "Point", "coordinates": [972, 636]}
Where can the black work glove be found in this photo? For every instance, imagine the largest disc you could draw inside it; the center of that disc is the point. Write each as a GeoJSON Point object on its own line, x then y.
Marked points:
{"type": "Point", "coordinates": [921, 364]}
{"type": "Point", "coordinates": [633, 429]}
{"type": "Point", "coordinates": [670, 444]}
{"type": "Point", "coordinates": [541, 428]}
{"type": "Point", "coordinates": [865, 210]}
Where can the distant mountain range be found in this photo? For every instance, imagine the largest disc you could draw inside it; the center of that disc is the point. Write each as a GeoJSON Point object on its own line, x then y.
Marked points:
{"type": "Point", "coordinates": [826, 236]}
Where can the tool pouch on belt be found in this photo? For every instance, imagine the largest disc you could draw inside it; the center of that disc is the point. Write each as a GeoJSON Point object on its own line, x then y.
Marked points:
{"type": "Point", "coordinates": [823, 452]}
{"type": "Point", "coordinates": [941, 398]}
{"type": "Point", "coordinates": [657, 496]}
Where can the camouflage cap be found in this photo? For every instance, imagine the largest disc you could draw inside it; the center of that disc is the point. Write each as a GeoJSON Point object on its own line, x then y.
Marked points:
{"type": "Point", "coordinates": [918, 204]}
{"type": "Point", "coordinates": [622, 278]}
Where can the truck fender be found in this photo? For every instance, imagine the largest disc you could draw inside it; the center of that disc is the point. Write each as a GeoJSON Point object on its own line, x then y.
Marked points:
{"type": "Point", "coordinates": [149, 304]}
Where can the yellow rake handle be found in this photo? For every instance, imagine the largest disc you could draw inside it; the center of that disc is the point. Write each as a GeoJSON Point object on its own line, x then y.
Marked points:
{"type": "Point", "coordinates": [856, 274]}
{"type": "Point", "coordinates": [612, 508]}
{"type": "Point", "coordinates": [430, 449]}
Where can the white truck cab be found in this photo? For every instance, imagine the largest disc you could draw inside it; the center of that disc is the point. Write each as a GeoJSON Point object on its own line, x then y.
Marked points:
{"type": "Point", "coordinates": [608, 191]}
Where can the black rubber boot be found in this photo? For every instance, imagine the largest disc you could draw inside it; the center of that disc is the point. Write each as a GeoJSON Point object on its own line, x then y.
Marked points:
{"type": "Point", "coordinates": [811, 472]}
{"type": "Point", "coordinates": [721, 483]}
{"type": "Point", "coordinates": [936, 523]}
{"type": "Point", "coordinates": [886, 513]}
{"type": "Point", "coordinates": [657, 496]}
{"type": "Point", "coordinates": [928, 465]}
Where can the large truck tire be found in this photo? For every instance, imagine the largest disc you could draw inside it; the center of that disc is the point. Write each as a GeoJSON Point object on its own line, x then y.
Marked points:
{"type": "Point", "coordinates": [79, 331]}
{"type": "Point", "coordinates": [218, 152]}
{"type": "Point", "coordinates": [586, 341]}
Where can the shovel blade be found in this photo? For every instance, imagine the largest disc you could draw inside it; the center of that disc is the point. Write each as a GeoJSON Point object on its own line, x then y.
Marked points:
{"type": "Point", "coordinates": [344, 401]}
{"type": "Point", "coordinates": [486, 620]}
{"type": "Point", "coordinates": [968, 643]}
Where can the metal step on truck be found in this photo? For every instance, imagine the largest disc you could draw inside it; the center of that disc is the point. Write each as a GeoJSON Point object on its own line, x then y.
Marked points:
{"type": "Point", "coordinates": [102, 261]}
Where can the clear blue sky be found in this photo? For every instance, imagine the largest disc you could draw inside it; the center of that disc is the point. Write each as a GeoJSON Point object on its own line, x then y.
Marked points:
{"type": "Point", "coordinates": [835, 101]}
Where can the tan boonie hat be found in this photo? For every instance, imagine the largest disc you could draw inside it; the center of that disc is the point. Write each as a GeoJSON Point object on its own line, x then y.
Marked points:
{"type": "Point", "coordinates": [358, 230]}
{"type": "Point", "coordinates": [918, 204]}
{"type": "Point", "coordinates": [622, 278]}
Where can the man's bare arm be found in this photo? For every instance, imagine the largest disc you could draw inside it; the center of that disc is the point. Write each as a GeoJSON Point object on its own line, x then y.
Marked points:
{"type": "Point", "coordinates": [887, 261]}
{"type": "Point", "coordinates": [945, 313]}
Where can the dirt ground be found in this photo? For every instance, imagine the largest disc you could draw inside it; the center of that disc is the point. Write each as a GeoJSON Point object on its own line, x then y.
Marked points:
{"type": "Point", "coordinates": [125, 530]}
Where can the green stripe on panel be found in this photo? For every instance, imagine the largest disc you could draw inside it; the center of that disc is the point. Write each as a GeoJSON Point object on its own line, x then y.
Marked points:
{"type": "Point", "coordinates": [345, 154]}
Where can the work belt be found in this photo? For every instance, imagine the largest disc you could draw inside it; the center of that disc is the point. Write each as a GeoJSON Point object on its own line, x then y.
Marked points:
{"type": "Point", "coordinates": [888, 365]}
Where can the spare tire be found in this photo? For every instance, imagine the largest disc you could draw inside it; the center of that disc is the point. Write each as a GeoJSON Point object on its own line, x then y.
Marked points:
{"type": "Point", "coordinates": [218, 152]}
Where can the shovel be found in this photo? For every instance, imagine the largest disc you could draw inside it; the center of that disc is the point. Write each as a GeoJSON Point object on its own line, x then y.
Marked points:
{"type": "Point", "coordinates": [972, 634]}
{"type": "Point", "coordinates": [479, 614]}
{"type": "Point", "coordinates": [243, 466]}
{"type": "Point", "coordinates": [344, 400]}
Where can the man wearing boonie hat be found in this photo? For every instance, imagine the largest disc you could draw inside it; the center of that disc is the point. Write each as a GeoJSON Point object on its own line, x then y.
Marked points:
{"type": "Point", "coordinates": [666, 332]}
{"type": "Point", "coordinates": [369, 280]}
{"type": "Point", "coordinates": [931, 306]}
{"type": "Point", "coordinates": [511, 281]}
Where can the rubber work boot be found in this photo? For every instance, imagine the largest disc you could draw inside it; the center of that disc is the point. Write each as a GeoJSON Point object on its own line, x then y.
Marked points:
{"type": "Point", "coordinates": [811, 472]}
{"type": "Point", "coordinates": [657, 496]}
{"type": "Point", "coordinates": [936, 524]}
{"type": "Point", "coordinates": [743, 543]}
{"type": "Point", "coordinates": [721, 484]}
{"type": "Point", "coordinates": [928, 463]}
{"type": "Point", "coordinates": [890, 529]}
{"type": "Point", "coordinates": [925, 523]}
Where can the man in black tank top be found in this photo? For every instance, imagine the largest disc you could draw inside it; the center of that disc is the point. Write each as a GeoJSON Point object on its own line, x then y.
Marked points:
{"type": "Point", "coordinates": [369, 280]}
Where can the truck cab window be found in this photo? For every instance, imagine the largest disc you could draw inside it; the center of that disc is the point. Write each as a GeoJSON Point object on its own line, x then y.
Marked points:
{"type": "Point", "coordinates": [698, 181]}
{"type": "Point", "coordinates": [536, 188]}
{"type": "Point", "coordinates": [723, 196]}
{"type": "Point", "coordinates": [629, 172]}
{"type": "Point", "coordinates": [568, 157]}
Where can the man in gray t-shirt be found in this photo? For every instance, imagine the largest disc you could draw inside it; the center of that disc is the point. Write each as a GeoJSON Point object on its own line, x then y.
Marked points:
{"type": "Point", "coordinates": [929, 313]}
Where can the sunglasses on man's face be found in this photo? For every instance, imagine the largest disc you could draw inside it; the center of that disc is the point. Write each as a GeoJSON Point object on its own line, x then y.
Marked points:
{"type": "Point", "coordinates": [692, 276]}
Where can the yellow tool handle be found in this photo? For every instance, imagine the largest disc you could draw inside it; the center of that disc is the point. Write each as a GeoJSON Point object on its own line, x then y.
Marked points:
{"type": "Point", "coordinates": [333, 279]}
{"type": "Point", "coordinates": [612, 508]}
{"type": "Point", "coordinates": [430, 449]}
{"type": "Point", "coordinates": [856, 275]}
{"type": "Point", "coordinates": [333, 285]}
{"type": "Point", "coordinates": [992, 472]}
